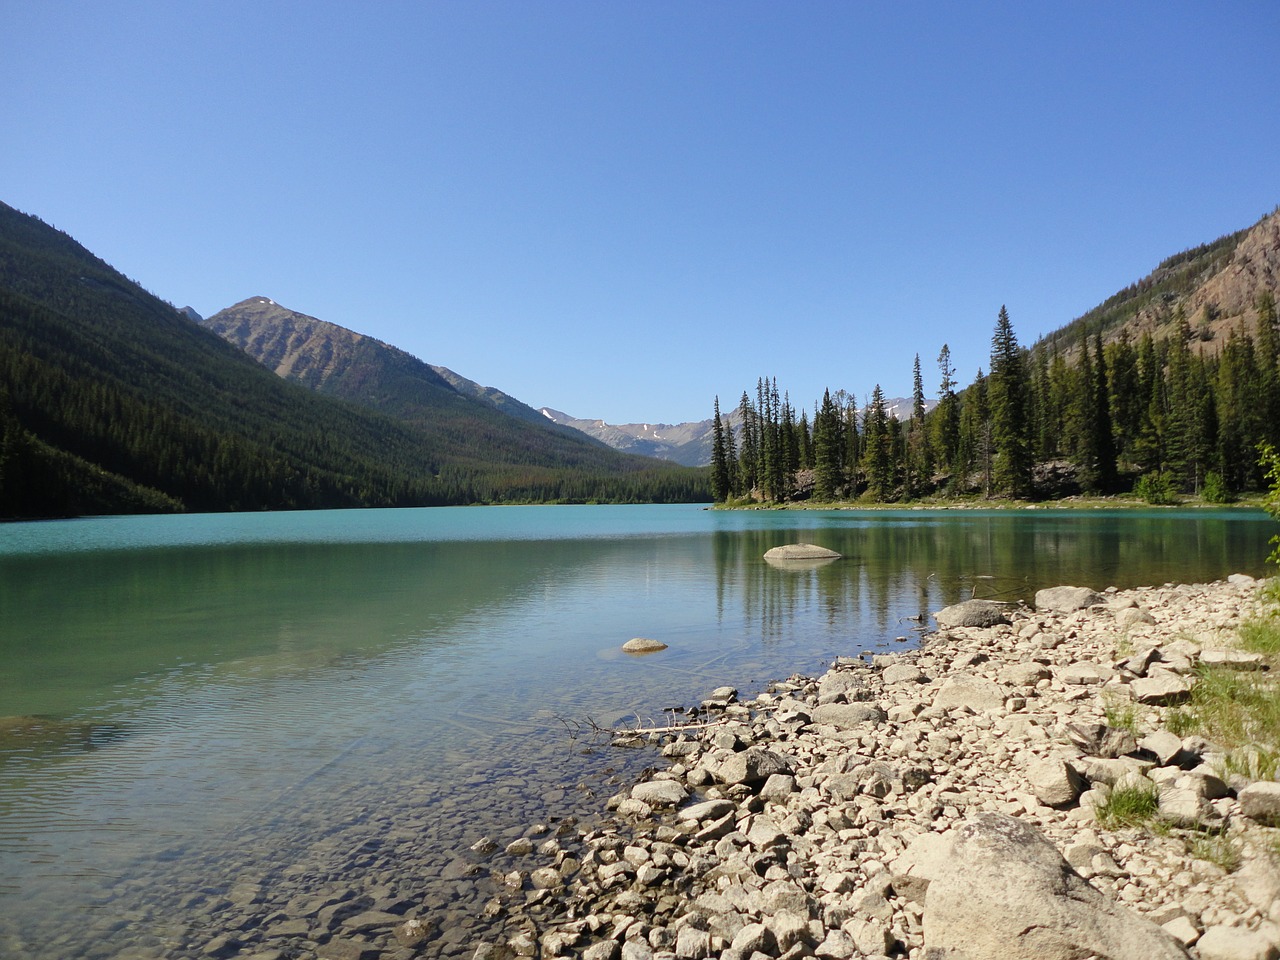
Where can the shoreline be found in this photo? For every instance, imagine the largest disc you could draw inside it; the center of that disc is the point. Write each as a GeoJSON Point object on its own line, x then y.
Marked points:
{"type": "Point", "coordinates": [813, 819]}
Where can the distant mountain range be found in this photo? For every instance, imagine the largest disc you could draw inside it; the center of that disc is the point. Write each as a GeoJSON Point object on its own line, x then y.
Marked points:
{"type": "Point", "coordinates": [685, 443]}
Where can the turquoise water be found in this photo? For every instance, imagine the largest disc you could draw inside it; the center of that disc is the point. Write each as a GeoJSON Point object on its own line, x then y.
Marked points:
{"type": "Point", "coordinates": [199, 695]}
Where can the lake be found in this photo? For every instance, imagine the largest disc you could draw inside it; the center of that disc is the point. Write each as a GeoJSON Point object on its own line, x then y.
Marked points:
{"type": "Point", "coordinates": [211, 724]}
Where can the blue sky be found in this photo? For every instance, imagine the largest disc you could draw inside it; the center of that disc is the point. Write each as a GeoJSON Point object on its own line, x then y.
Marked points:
{"type": "Point", "coordinates": [623, 209]}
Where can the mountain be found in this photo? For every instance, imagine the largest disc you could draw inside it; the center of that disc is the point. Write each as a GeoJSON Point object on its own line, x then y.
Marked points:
{"type": "Point", "coordinates": [445, 406]}
{"type": "Point", "coordinates": [685, 443]}
{"type": "Point", "coordinates": [113, 401]}
{"type": "Point", "coordinates": [1213, 286]}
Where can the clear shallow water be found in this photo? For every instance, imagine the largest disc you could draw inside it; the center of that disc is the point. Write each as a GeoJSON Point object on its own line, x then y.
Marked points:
{"type": "Point", "coordinates": [191, 702]}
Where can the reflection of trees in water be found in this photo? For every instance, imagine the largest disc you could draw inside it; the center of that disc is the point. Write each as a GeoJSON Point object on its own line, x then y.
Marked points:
{"type": "Point", "coordinates": [898, 566]}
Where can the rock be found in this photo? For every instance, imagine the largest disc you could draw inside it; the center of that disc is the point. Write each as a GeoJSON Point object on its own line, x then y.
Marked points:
{"type": "Point", "coordinates": [659, 793]}
{"type": "Point", "coordinates": [1180, 807]}
{"type": "Point", "coordinates": [846, 715]}
{"type": "Point", "coordinates": [975, 693]}
{"type": "Point", "coordinates": [604, 950]}
{"type": "Point", "coordinates": [1025, 674]}
{"type": "Point", "coordinates": [872, 937]}
{"type": "Point", "coordinates": [1054, 782]}
{"type": "Point", "coordinates": [753, 938]}
{"type": "Point", "coordinates": [903, 673]}
{"type": "Point", "coordinates": [1133, 617]}
{"type": "Point", "coordinates": [840, 685]}
{"type": "Point", "coordinates": [1235, 943]}
{"type": "Point", "coordinates": [972, 613]}
{"type": "Point", "coordinates": [643, 645]}
{"type": "Point", "coordinates": [413, 932]}
{"type": "Point", "coordinates": [1085, 673]}
{"type": "Point", "coordinates": [1160, 689]}
{"type": "Point", "coordinates": [1261, 802]}
{"type": "Point", "coordinates": [801, 551]}
{"type": "Point", "coordinates": [1232, 659]}
{"type": "Point", "coordinates": [1183, 929]}
{"type": "Point", "coordinates": [706, 811]}
{"type": "Point", "coordinates": [923, 858]}
{"type": "Point", "coordinates": [1067, 599]}
{"type": "Point", "coordinates": [1166, 747]}
{"type": "Point", "coordinates": [755, 765]}
{"type": "Point", "coordinates": [1007, 894]}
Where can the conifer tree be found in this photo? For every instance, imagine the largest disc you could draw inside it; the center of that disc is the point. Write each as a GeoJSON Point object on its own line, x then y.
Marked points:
{"type": "Point", "coordinates": [1010, 434]}
{"type": "Point", "coordinates": [826, 450]}
{"type": "Point", "coordinates": [719, 459]}
{"type": "Point", "coordinates": [877, 457]}
{"type": "Point", "coordinates": [947, 413]}
{"type": "Point", "coordinates": [749, 459]}
{"type": "Point", "coordinates": [918, 454]}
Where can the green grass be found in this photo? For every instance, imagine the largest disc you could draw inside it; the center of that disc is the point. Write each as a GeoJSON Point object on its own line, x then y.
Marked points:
{"type": "Point", "coordinates": [1121, 715]}
{"type": "Point", "coordinates": [1240, 709]}
{"type": "Point", "coordinates": [1217, 847]}
{"type": "Point", "coordinates": [1134, 805]}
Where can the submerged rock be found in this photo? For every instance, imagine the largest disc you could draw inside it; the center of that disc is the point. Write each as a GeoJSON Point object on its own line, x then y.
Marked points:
{"type": "Point", "coordinates": [801, 551]}
{"type": "Point", "coordinates": [643, 645]}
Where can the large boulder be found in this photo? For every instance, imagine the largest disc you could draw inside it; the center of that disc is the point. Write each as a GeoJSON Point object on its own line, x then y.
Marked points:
{"type": "Point", "coordinates": [801, 551]}
{"type": "Point", "coordinates": [1005, 893]}
{"type": "Point", "coordinates": [972, 613]}
{"type": "Point", "coordinates": [1067, 599]}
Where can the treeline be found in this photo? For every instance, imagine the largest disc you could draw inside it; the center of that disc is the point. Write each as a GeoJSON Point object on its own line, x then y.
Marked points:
{"type": "Point", "coordinates": [1112, 416]}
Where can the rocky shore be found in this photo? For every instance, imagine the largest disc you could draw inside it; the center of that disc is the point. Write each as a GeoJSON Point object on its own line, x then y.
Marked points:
{"type": "Point", "coordinates": [949, 802]}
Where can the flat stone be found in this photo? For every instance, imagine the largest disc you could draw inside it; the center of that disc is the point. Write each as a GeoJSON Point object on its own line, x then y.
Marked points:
{"type": "Point", "coordinates": [706, 810]}
{"type": "Point", "coordinates": [659, 793]}
{"type": "Point", "coordinates": [972, 692]}
{"type": "Point", "coordinates": [1160, 689]}
{"type": "Point", "coordinates": [1232, 659]}
{"type": "Point", "coordinates": [844, 716]}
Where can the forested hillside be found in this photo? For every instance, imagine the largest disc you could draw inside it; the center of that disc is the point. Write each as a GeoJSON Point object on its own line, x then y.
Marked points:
{"type": "Point", "coordinates": [1168, 387]}
{"type": "Point", "coordinates": [112, 401]}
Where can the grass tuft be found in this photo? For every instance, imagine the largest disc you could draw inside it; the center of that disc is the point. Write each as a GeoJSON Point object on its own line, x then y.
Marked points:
{"type": "Point", "coordinates": [1130, 805]}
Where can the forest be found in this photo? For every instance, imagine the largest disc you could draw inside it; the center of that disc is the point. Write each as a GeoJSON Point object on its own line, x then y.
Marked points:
{"type": "Point", "coordinates": [1157, 417]}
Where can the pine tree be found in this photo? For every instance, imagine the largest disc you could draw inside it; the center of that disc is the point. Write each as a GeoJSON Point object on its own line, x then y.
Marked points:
{"type": "Point", "coordinates": [719, 459]}
{"type": "Point", "coordinates": [877, 454]}
{"type": "Point", "coordinates": [826, 450]}
{"type": "Point", "coordinates": [749, 459]}
{"type": "Point", "coordinates": [1010, 434]}
{"type": "Point", "coordinates": [918, 456]}
{"type": "Point", "coordinates": [1269, 365]}
{"type": "Point", "coordinates": [947, 413]}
